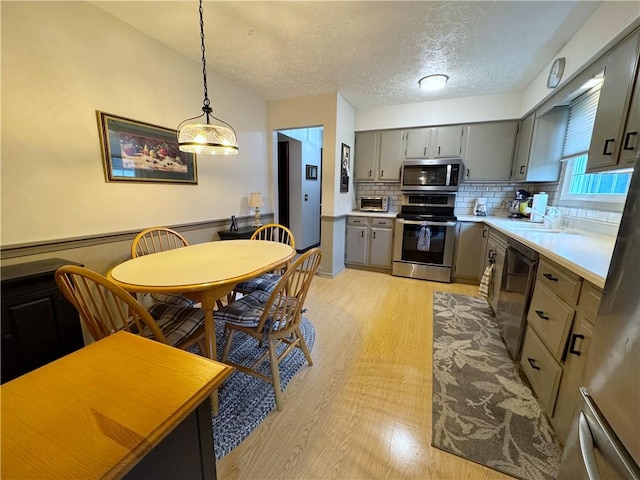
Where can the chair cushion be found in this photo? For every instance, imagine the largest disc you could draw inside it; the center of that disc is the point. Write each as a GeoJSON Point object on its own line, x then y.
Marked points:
{"type": "Point", "coordinates": [173, 299]}
{"type": "Point", "coordinates": [266, 283]}
{"type": "Point", "coordinates": [245, 311]}
{"type": "Point", "coordinates": [175, 322]}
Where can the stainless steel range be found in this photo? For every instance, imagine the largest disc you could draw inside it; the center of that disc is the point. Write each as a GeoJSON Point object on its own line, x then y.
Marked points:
{"type": "Point", "coordinates": [424, 236]}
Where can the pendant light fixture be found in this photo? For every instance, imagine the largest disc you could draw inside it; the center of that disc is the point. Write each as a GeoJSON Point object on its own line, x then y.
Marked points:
{"type": "Point", "coordinates": [215, 137]}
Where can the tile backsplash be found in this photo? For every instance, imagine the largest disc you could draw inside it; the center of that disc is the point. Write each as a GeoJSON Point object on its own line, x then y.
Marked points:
{"type": "Point", "coordinates": [498, 196]}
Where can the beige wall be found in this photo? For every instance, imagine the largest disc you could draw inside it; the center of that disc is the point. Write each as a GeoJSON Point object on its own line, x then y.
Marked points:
{"type": "Point", "coordinates": [336, 117]}
{"type": "Point", "coordinates": [62, 61]}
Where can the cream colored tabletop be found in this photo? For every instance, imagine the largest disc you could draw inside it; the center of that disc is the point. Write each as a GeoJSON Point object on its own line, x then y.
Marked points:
{"type": "Point", "coordinates": [201, 266]}
{"type": "Point", "coordinates": [96, 412]}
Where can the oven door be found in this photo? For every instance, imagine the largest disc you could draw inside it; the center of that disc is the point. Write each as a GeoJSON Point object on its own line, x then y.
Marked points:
{"type": "Point", "coordinates": [420, 242]}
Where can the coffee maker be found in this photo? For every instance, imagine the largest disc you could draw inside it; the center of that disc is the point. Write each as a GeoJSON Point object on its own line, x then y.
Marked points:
{"type": "Point", "coordinates": [522, 196]}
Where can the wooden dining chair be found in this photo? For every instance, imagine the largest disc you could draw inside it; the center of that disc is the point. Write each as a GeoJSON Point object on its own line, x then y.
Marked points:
{"type": "Point", "coordinates": [106, 308]}
{"type": "Point", "coordinates": [159, 239]}
{"type": "Point", "coordinates": [272, 232]}
{"type": "Point", "coordinates": [156, 239]}
{"type": "Point", "coordinates": [272, 319]}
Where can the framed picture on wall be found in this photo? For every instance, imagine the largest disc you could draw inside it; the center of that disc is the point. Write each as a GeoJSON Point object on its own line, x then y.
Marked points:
{"type": "Point", "coordinates": [344, 170]}
{"type": "Point", "coordinates": [134, 151]}
{"type": "Point", "coordinates": [311, 172]}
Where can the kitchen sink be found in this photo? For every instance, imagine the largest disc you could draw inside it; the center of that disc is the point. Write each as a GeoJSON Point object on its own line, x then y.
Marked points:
{"type": "Point", "coordinates": [525, 227]}
{"type": "Point", "coordinates": [541, 229]}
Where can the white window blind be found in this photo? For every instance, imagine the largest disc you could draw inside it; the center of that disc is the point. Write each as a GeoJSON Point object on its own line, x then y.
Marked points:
{"type": "Point", "coordinates": [582, 115]}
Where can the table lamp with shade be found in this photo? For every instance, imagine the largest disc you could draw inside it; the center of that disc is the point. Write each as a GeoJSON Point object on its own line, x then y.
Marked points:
{"type": "Point", "coordinates": [255, 201]}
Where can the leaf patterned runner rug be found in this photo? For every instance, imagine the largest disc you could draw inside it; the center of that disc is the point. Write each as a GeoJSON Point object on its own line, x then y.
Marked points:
{"type": "Point", "coordinates": [482, 410]}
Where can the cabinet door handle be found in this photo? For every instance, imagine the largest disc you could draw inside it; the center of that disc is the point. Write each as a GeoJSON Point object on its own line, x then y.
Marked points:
{"type": "Point", "coordinates": [369, 173]}
{"type": "Point", "coordinates": [484, 234]}
{"type": "Point", "coordinates": [381, 173]}
{"type": "Point", "coordinates": [522, 170]}
{"type": "Point", "coordinates": [374, 234]}
{"type": "Point", "coordinates": [605, 150]}
{"type": "Point", "coordinates": [362, 234]}
{"type": "Point", "coordinates": [468, 172]}
{"type": "Point", "coordinates": [572, 346]}
{"type": "Point", "coordinates": [627, 140]}
{"type": "Point", "coordinates": [548, 276]}
{"type": "Point", "coordinates": [425, 151]}
{"type": "Point", "coordinates": [438, 150]}
{"type": "Point", "coordinates": [532, 362]}
{"type": "Point", "coordinates": [541, 314]}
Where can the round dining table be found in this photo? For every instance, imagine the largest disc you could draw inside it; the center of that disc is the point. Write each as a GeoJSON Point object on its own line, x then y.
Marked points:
{"type": "Point", "coordinates": [205, 272]}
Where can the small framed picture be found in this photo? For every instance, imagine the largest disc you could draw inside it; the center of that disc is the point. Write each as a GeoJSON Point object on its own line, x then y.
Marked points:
{"type": "Point", "coordinates": [311, 172]}
{"type": "Point", "coordinates": [134, 151]}
{"type": "Point", "coordinates": [344, 170]}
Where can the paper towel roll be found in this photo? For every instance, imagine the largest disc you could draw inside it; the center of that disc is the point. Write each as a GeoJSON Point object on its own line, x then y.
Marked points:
{"type": "Point", "coordinates": [538, 207]}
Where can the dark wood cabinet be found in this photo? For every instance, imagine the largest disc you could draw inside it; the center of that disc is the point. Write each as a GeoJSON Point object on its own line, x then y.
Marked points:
{"type": "Point", "coordinates": [186, 453]}
{"type": "Point", "coordinates": [243, 233]}
{"type": "Point", "coordinates": [38, 324]}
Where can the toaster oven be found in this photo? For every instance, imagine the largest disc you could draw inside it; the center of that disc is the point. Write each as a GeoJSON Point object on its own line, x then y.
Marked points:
{"type": "Point", "coordinates": [373, 204]}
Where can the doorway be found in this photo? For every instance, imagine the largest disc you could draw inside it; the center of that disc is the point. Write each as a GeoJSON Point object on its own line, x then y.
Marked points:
{"type": "Point", "coordinates": [299, 184]}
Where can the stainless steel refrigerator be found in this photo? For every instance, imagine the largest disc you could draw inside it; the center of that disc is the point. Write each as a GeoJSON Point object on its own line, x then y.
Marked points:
{"type": "Point", "coordinates": [605, 438]}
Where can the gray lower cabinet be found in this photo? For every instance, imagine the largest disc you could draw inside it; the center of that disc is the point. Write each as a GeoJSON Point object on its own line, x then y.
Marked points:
{"type": "Point", "coordinates": [357, 250]}
{"type": "Point", "coordinates": [560, 323]}
{"type": "Point", "coordinates": [577, 351]}
{"type": "Point", "coordinates": [489, 151]}
{"type": "Point", "coordinates": [469, 250]}
{"type": "Point", "coordinates": [495, 253]}
{"type": "Point", "coordinates": [369, 242]}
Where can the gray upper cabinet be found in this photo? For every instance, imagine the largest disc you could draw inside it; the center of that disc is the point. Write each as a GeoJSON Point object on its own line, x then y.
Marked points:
{"type": "Point", "coordinates": [435, 142]}
{"type": "Point", "coordinates": [379, 155]}
{"type": "Point", "coordinates": [392, 145]}
{"type": "Point", "coordinates": [539, 146]}
{"type": "Point", "coordinates": [367, 152]}
{"type": "Point", "coordinates": [449, 141]}
{"type": "Point", "coordinates": [489, 151]}
{"type": "Point", "coordinates": [614, 142]}
{"type": "Point", "coordinates": [419, 142]}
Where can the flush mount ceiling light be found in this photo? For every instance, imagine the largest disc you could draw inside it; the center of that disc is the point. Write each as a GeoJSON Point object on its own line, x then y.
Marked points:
{"type": "Point", "coordinates": [433, 82]}
{"type": "Point", "coordinates": [214, 137]}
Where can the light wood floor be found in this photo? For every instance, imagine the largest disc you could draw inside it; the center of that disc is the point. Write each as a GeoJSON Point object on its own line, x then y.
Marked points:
{"type": "Point", "coordinates": [363, 410]}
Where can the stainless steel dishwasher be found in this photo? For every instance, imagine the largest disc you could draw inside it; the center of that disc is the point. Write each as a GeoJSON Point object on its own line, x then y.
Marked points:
{"type": "Point", "coordinates": [518, 278]}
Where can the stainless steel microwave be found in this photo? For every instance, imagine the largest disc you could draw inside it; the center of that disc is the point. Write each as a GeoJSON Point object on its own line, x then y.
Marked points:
{"type": "Point", "coordinates": [441, 174]}
{"type": "Point", "coordinates": [373, 204]}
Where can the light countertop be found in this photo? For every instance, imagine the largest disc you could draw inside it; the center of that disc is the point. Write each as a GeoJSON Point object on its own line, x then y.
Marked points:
{"type": "Point", "coordinates": [358, 213]}
{"type": "Point", "coordinates": [585, 253]}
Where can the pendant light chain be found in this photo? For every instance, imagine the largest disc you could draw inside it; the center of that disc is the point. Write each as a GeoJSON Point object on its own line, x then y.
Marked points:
{"type": "Point", "coordinates": [214, 136]}
{"type": "Point", "coordinates": [206, 103]}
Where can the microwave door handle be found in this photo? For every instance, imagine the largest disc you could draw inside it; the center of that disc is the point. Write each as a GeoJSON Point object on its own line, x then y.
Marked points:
{"type": "Point", "coordinates": [448, 179]}
{"type": "Point", "coordinates": [418, 222]}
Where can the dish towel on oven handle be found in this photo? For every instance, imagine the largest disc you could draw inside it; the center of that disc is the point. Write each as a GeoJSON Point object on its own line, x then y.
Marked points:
{"type": "Point", "coordinates": [424, 238]}
{"type": "Point", "coordinates": [486, 282]}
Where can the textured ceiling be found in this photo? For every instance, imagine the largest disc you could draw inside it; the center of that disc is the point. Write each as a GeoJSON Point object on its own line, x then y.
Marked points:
{"type": "Point", "coordinates": [372, 52]}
